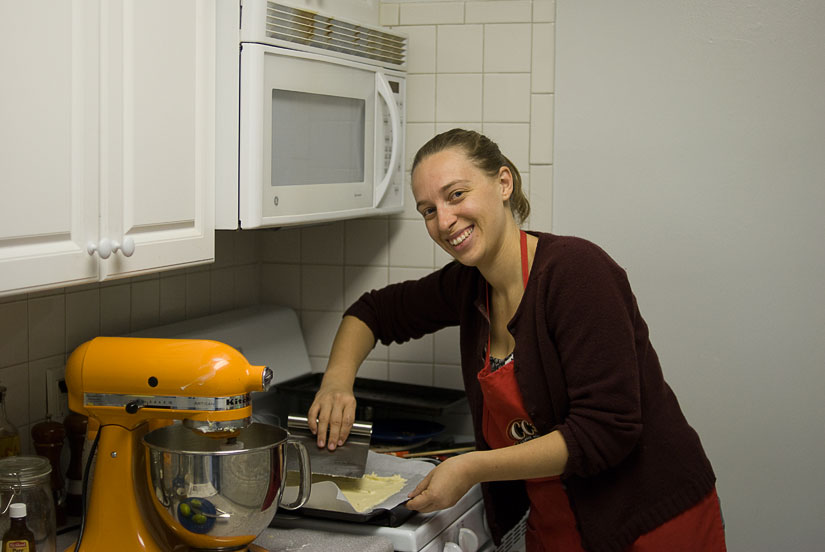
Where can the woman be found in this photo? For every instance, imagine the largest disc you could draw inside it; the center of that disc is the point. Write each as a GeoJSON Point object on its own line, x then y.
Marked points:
{"type": "Point", "coordinates": [572, 416]}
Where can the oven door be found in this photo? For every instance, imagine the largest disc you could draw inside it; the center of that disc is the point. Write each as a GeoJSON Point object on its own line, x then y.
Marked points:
{"type": "Point", "coordinates": [308, 136]}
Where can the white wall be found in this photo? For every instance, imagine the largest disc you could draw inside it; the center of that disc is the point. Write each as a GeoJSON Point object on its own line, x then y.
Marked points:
{"type": "Point", "coordinates": [690, 143]}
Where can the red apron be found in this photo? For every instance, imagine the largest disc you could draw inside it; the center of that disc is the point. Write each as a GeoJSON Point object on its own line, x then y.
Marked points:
{"type": "Point", "coordinates": [551, 525]}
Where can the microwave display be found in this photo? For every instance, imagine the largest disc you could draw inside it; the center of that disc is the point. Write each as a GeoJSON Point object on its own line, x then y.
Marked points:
{"type": "Point", "coordinates": [325, 141]}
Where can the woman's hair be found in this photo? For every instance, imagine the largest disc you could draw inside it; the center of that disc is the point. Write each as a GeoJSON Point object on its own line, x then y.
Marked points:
{"type": "Point", "coordinates": [485, 154]}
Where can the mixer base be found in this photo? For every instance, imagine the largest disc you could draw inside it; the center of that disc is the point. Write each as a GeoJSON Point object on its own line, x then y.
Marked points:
{"type": "Point", "coordinates": [250, 548]}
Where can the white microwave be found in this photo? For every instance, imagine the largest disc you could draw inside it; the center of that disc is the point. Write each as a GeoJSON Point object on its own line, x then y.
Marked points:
{"type": "Point", "coordinates": [311, 117]}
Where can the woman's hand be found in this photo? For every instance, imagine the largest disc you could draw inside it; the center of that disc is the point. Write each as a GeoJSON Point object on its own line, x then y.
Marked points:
{"type": "Point", "coordinates": [332, 410]}
{"type": "Point", "coordinates": [444, 485]}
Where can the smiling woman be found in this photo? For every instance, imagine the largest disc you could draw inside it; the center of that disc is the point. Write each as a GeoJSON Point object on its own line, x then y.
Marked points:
{"type": "Point", "coordinates": [573, 420]}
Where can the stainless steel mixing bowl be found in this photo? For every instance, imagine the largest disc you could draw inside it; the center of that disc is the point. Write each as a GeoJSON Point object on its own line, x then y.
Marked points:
{"type": "Point", "coordinates": [220, 494]}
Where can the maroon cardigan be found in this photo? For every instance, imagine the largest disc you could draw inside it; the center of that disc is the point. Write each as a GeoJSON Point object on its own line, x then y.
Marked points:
{"type": "Point", "coordinates": [585, 367]}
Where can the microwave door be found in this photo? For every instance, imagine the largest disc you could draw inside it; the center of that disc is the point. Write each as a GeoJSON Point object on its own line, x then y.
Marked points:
{"type": "Point", "coordinates": [385, 93]}
{"type": "Point", "coordinates": [308, 152]}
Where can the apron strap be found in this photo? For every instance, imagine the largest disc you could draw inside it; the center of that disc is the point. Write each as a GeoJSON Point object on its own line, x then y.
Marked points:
{"type": "Point", "coordinates": [525, 274]}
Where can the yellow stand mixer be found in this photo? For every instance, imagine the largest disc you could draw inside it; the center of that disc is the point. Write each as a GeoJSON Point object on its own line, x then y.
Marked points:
{"type": "Point", "coordinates": [146, 490]}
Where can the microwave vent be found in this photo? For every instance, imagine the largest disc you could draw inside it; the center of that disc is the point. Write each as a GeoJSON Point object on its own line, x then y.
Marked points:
{"type": "Point", "coordinates": [301, 28]}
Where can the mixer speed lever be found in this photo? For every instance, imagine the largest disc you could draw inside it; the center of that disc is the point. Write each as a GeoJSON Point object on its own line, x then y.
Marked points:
{"type": "Point", "coordinates": [133, 406]}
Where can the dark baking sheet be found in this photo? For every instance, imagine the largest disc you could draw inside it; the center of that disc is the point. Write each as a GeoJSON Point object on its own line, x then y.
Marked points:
{"type": "Point", "coordinates": [378, 516]}
{"type": "Point", "coordinates": [399, 396]}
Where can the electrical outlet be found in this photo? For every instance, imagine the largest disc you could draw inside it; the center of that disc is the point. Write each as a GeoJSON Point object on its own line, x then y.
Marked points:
{"type": "Point", "coordinates": [57, 396]}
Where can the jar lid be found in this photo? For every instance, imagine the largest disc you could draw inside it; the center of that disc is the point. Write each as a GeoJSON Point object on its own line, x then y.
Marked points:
{"type": "Point", "coordinates": [23, 469]}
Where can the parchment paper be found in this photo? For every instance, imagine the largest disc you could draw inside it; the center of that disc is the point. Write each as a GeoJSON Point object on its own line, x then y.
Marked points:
{"type": "Point", "coordinates": [326, 495]}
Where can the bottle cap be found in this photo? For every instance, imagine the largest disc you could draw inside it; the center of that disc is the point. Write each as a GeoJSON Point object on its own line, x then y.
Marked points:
{"type": "Point", "coordinates": [17, 510]}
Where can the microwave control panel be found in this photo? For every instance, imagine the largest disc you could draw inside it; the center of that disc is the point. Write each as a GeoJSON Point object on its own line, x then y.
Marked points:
{"type": "Point", "coordinates": [395, 191]}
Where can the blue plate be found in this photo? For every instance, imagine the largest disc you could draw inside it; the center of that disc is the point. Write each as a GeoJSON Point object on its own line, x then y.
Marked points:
{"type": "Point", "coordinates": [404, 431]}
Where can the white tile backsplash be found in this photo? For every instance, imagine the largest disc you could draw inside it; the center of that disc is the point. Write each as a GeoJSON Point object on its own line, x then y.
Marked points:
{"type": "Point", "coordinates": [172, 297]}
{"type": "Point", "coordinates": [447, 346]}
{"type": "Point", "coordinates": [281, 285]}
{"type": "Point", "coordinates": [247, 285]}
{"type": "Point", "coordinates": [399, 274]}
{"type": "Point", "coordinates": [429, 13]}
{"type": "Point", "coordinates": [513, 139]}
{"type": "Point", "coordinates": [198, 298]}
{"type": "Point", "coordinates": [443, 127]}
{"type": "Point", "coordinates": [374, 369]}
{"type": "Point", "coordinates": [541, 129]}
{"type": "Point", "coordinates": [411, 372]}
{"type": "Point", "coordinates": [16, 381]}
{"type": "Point", "coordinates": [47, 326]}
{"type": "Point", "coordinates": [38, 407]}
{"type": "Point", "coordinates": [416, 136]}
{"type": "Point", "coordinates": [282, 245]}
{"type": "Point", "coordinates": [544, 10]}
{"type": "Point", "coordinates": [360, 279]}
{"type": "Point", "coordinates": [414, 350]}
{"type": "Point", "coordinates": [421, 46]}
{"type": "Point", "coordinates": [421, 98]}
{"type": "Point", "coordinates": [146, 303]}
{"type": "Point", "coordinates": [544, 56]}
{"type": "Point", "coordinates": [388, 14]}
{"type": "Point", "coordinates": [507, 48]}
{"type": "Point", "coordinates": [14, 333]}
{"type": "Point", "coordinates": [221, 289]}
{"type": "Point", "coordinates": [541, 197]}
{"type": "Point", "coordinates": [82, 316]}
{"type": "Point", "coordinates": [448, 376]}
{"type": "Point", "coordinates": [323, 244]}
{"type": "Point", "coordinates": [319, 328]}
{"type": "Point", "coordinates": [410, 245]}
{"type": "Point", "coordinates": [506, 98]}
{"type": "Point", "coordinates": [460, 49]}
{"type": "Point", "coordinates": [322, 287]}
{"type": "Point", "coordinates": [365, 242]}
{"type": "Point", "coordinates": [458, 97]}
{"type": "Point", "coordinates": [501, 11]}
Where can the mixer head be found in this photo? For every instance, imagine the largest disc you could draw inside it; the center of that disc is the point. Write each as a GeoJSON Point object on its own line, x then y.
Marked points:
{"type": "Point", "coordinates": [128, 380]}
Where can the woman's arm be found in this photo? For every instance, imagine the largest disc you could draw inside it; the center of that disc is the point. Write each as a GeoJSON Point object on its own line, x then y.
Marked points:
{"type": "Point", "coordinates": [544, 456]}
{"type": "Point", "coordinates": [334, 403]}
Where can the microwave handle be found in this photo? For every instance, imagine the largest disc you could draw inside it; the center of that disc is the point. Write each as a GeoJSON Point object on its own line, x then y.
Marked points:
{"type": "Point", "coordinates": [383, 89]}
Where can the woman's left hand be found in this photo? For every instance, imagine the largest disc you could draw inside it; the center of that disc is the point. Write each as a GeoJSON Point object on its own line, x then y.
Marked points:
{"type": "Point", "coordinates": [443, 486]}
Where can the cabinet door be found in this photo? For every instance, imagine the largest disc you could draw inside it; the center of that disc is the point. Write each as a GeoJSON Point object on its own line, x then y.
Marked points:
{"type": "Point", "coordinates": [157, 133]}
{"type": "Point", "coordinates": [48, 144]}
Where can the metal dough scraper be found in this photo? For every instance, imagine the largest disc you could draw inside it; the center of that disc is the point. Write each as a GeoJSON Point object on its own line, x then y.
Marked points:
{"type": "Point", "coordinates": [348, 460]}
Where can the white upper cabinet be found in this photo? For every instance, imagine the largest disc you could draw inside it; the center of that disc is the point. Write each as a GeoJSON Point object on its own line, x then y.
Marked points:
{"type": "Point", "coordinates": [110, 140]}
{"type": "Point", "coordinates": [157, 132]}
{"type": "Point", "coordinates": [48, 143]}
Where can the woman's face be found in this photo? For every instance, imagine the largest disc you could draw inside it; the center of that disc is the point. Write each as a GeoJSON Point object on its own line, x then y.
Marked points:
{"type": "Point", "coordinates": [464, 208]}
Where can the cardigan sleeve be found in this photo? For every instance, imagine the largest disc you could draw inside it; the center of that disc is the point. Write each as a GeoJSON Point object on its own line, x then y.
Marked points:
{"type": "Point", "coordinates": [411, 309]}
{"type": "Point", "coordinates": [592, 314]}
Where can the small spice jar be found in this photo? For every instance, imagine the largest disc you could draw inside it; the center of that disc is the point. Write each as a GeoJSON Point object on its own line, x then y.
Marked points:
{"type": "Point", "coordinates": [27, 479]}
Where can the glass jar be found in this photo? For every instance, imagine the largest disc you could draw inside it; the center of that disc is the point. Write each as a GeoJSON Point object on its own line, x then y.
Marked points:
{"type": "Point", "coordinates": [27, 479]}
{"type": "Point", "coordinates": [9, 437]}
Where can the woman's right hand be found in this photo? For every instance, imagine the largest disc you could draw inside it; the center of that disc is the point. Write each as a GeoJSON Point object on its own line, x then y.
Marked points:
{"type": "Point", "coordinates": [332, 412]}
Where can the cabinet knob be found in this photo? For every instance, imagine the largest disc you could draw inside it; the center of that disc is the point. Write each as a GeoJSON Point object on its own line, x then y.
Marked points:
{"type": "Point", "coordinates": [106, 247]}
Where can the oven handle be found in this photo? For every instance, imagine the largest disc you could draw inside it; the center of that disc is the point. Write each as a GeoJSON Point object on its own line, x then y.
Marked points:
{"type": "Point", "coordinates": [383, 89]}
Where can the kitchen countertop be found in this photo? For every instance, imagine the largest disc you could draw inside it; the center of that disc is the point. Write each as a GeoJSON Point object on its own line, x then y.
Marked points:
{"type": "Point", "coordinates": [293, 540]}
